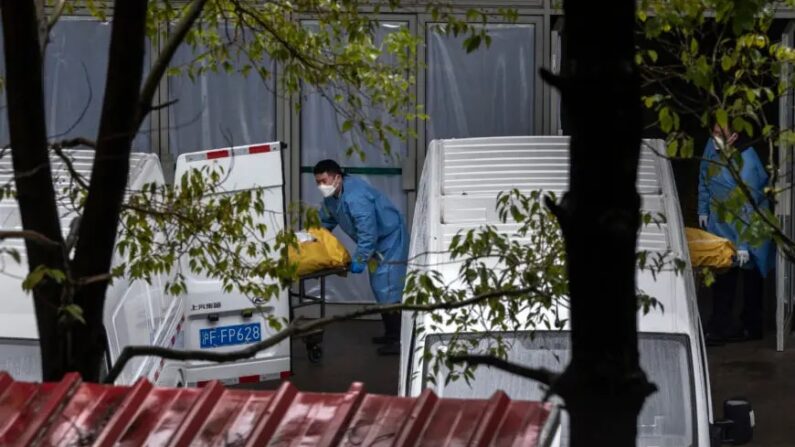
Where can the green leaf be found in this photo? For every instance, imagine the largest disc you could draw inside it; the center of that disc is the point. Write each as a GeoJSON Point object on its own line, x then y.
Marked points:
{"type": "Point", "coordinates": [33, 278]}
{"type": "Point", "coordinates": [726, 63]}
{"type": "Point", "coordinates": [687, 148]}
{"type": "Point", "coordinates": [722, 117]}
{"type": "Point", "coordinates": [472, 43]}
{"type": "Point", "coordinates": [38, 274]}
{"type": "Point", "coordinates": [673, 148]}
{"type": "Point", "coordinates": [75, 312]}
{"type": "Point", "coordinates": [666, 119]}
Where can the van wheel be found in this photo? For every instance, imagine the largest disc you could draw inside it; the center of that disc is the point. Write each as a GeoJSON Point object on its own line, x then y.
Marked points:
{"type": "Point", "coordinates": [314, 353]}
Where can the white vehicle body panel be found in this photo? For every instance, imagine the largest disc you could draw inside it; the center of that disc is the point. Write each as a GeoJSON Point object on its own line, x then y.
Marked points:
{"type": "Point", "coordinates": [135, 312]}
{"type": "Point", "coordinates": [206, 300]}
{"type": "Point", "coordinates": [458, 191]}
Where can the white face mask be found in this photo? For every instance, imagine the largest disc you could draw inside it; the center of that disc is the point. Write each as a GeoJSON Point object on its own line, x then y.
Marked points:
{"type": "Point", "coordinates": [327, 190]}
{"type": "Point", "coordinates": [719, 142]}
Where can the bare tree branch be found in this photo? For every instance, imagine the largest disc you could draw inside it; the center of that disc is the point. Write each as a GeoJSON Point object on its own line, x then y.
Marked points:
{"type": "Point", "coordinates": [71, 238]}
{"type": "Point", "coordinates": [165, 56]}
{"type": "Point", "coordinates": [56, 15]}
{"type": "Point", "coordinates": [89, 99]}
{"type": "Point", "coordinates": [29, 235]}
{"type": "Point", "coordinates": [74, 142]}
{"type": "Point", "coordinates": [294, 329]}
{"type": "Point", "coordinates": [164, 105]}
{"type": "Point", "coordinates": [70, 167]}
{"type": "Point", "coordinates": [41, 18]}
{"type": "Point", "coordinates": [541, 375]}
{"type": "Point", "coordinates": [294, 52]}
{"type": "Point", "coordinates": [103, 277]}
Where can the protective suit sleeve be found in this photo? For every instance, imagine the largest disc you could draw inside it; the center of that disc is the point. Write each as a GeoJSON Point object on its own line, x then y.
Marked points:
{"type": "Point", "coordinates": [326, 219]}
{"type": "Point", "coordinates": [703, 179]}
{"type": "Point", "coordinates": [760, 176]}
{"type": "Point", "coordinates": [363, 212]}
{"type": "Point", "coordinates": [741, 244]}
{"type": "Point", "coordinates": [756, 179]}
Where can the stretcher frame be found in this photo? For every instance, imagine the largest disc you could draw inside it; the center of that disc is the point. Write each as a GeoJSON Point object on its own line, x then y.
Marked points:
{"type": "Point", "coordinates": [313, 340]}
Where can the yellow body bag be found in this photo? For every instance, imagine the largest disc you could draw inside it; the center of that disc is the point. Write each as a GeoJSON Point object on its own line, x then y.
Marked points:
{"type": "Point", "coordinates": [318, 249]}
{"type": "Point", "coordinates": [708, 250]}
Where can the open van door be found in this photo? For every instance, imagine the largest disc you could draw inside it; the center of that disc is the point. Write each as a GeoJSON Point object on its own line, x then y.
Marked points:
{"type": "Point", "coordinates": [785, 273]}
{"type": "Point", "coordinates": [222, 322]}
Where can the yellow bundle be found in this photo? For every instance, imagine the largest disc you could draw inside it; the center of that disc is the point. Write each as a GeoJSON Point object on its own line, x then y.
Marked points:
{"type": "Point", "coordinates": [708, 250]}
{"type": "Point", "coordinates": [318, 249]}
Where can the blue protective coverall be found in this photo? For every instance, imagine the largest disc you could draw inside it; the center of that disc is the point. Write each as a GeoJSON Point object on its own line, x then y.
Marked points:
{"type": "Point", "coordinates": [712, 189]}
{"type": "Point", "coordinates": [373, 222]}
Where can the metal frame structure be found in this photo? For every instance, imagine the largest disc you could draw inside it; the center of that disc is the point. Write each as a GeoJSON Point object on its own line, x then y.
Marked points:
{"type": "Point", "coordinates": [785, 271]}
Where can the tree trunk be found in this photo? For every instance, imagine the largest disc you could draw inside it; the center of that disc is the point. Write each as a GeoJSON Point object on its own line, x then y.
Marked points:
{"type": "Point", "coordinates": [99, 225]}
{"type": "Point", "coordinates": [33, 182]}
{"type": "Point", "coordinates": [604, 387]}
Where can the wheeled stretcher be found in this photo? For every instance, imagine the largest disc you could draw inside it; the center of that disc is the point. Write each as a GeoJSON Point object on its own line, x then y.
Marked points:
{"type": "Point", "coordinates": [313, 340]}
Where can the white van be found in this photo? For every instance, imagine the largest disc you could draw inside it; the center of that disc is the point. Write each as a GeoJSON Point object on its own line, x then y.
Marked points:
{"type": "Point", "coordinates": [458, 190]}
{"type": "Point", "coordinates": [221, 322]}
{"type": "Point", "coordinates": [136, 313]}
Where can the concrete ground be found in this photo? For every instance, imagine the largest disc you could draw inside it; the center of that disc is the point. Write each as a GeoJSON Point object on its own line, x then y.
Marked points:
{"type": "Point", "coordinates": [753, 370]}
{"type": "Point", "coordinates": [756, 371]}
{"type": "Point", "coordinates": [348, 356]}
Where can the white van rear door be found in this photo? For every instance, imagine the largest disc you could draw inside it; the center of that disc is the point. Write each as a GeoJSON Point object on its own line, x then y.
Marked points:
{"type": "Point", "coordinates": [222, 322]}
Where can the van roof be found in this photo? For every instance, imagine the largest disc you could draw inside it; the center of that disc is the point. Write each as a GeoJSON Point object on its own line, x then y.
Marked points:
{"type": "Point", "coordinates": [462, 178]}
{"type": "Point", "coordinates": [17, 317]}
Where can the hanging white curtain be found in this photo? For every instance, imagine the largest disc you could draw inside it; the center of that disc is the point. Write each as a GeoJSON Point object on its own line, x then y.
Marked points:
{"type": "Point", "coordinates": [75, 68]}
{"type": "Point", "coordinates": [486, 93]}
{"type": "Point", "coordinates": [220, 109]}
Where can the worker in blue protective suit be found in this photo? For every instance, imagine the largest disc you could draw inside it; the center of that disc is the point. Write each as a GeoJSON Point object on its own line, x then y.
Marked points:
{"type": "Point", "coordinates": [374, 223]}
{"type": "Point", "coordinates": [753, 262]}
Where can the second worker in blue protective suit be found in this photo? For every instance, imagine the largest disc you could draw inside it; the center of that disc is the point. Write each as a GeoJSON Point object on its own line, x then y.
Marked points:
{"type": "Point", "coordinates": [376, 226]}
{"type": "Point", "coordinates": [716, 185]}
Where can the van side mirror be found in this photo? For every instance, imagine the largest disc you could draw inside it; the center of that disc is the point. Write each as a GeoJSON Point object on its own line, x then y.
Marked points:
{"type": "Point", "coordinates": [737, 425]}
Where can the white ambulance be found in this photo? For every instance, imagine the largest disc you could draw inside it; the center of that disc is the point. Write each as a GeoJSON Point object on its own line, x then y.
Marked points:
{"type": "Point", "coordinates": [136, 313]}
{"type": "Point", "coordinates": [458, 191]}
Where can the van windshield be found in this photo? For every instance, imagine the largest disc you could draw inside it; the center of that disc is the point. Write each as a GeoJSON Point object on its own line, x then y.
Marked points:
{"type": "Point", "coordinates": [667, 418]}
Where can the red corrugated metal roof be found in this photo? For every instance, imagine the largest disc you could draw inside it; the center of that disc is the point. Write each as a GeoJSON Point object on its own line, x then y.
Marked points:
{"type": "Point", "coordinates": [73, 413]}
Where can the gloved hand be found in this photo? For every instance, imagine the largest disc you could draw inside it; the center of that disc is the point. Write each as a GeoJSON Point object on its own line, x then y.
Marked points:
{"type": "Point", "coordinates": [358, 267]}
{"type": "Point", "coordinates": [743, 257]}
{"type": "Point", "coordinates": [702, 220]}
